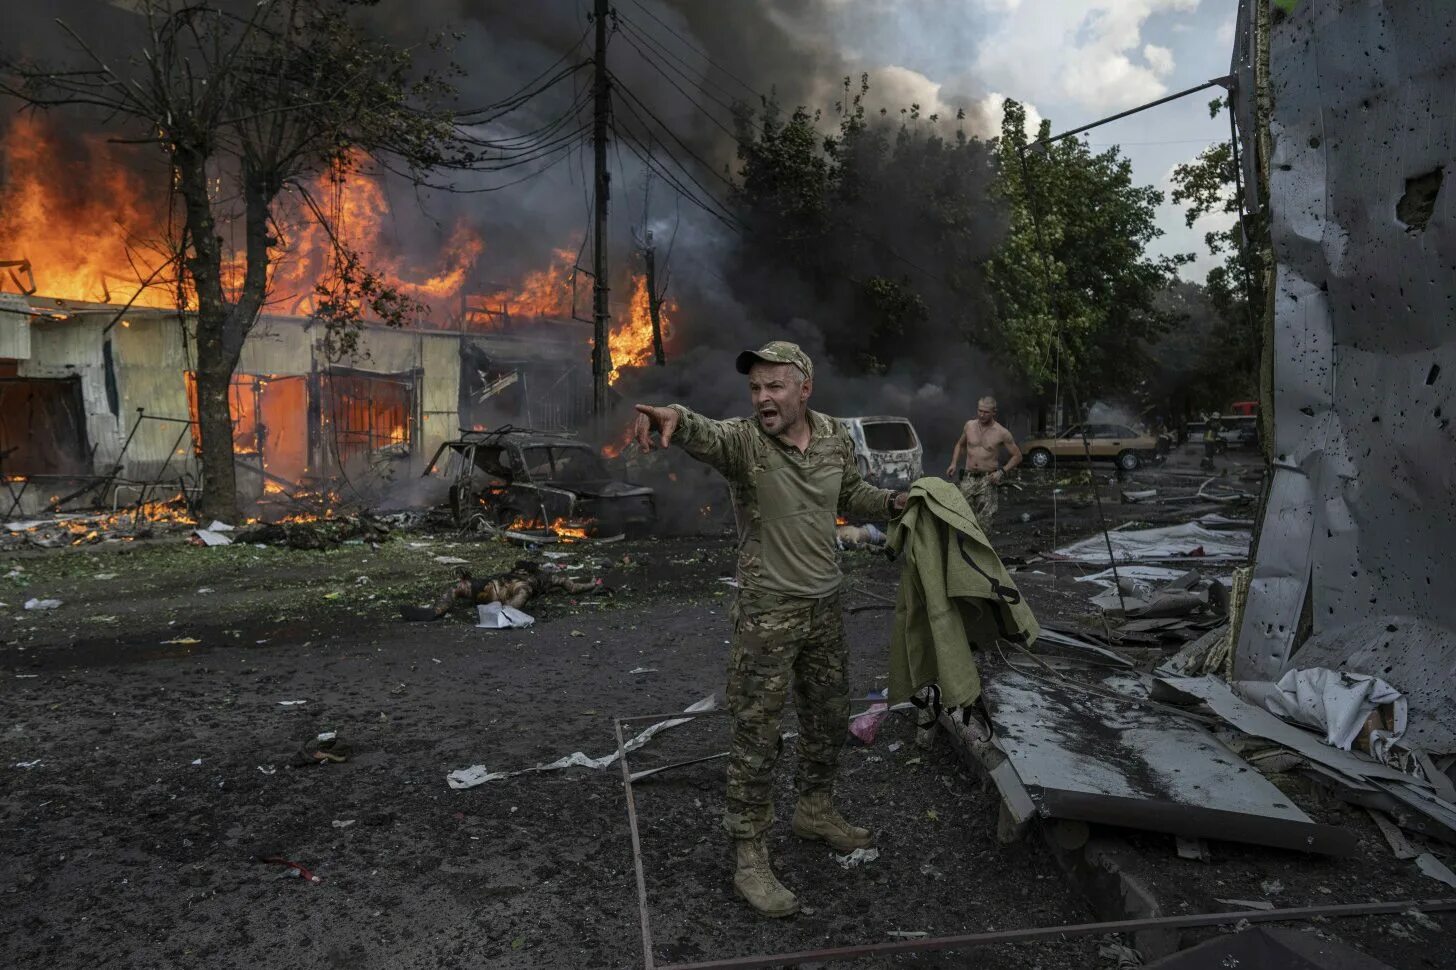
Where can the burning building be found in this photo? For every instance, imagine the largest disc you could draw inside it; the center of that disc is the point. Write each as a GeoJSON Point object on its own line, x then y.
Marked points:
{"type": "Point", "coordinates": [97, 391]}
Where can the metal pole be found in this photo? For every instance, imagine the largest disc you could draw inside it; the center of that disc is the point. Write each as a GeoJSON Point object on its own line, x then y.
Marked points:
{"type": "Point", "coordinates": [601, 315]}
{"type": "Point", "coordinates": [654, 302]}
{"type": "Point", "coordinates": [647, 960]}
{"type": "Point", "coordinates": [967, 940]}
{"type": "Point", "coordinates": [1224, 81]}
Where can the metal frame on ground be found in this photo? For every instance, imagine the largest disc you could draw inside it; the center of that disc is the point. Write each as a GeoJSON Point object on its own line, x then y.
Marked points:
{"type": "Point", "coordinates": [964, 940]}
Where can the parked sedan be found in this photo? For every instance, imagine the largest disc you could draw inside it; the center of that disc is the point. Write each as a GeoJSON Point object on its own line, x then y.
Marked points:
{"type": "Point", "coordinates": [1105, 442]}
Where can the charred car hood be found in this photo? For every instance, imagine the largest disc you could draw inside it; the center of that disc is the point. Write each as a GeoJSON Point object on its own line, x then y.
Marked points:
{"type": "Point", "coordinates": [606, 488]}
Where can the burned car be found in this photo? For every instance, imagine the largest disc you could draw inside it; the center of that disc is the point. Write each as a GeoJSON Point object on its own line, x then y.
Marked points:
{"type": "Point", "coordinates": [887, 450]}
{"type": "Point", "coordinates": [522, 479]}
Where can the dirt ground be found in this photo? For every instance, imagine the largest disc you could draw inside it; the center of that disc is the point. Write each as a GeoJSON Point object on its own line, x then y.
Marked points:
{"type": "Point", "coordinates": [153, 721]}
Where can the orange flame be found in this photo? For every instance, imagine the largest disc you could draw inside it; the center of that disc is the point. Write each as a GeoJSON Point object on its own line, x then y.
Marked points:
{"type": "Point", "coordinates": [89, 234]}
{"type": "Point", "coordinates": [631, 340]}
{"type": "Point", "coordinates": [566, 530]}
{"type": "Point", "coordinates": [81, 224]}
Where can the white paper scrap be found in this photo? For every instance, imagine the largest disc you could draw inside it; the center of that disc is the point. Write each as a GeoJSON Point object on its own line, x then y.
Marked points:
{"type": "Point", "coordinates": [498, 616]}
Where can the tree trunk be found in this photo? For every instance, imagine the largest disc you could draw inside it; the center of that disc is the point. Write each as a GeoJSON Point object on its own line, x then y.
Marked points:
{"type": "Point", "coordinates": [215, 429]}
{"type": "Point", "coordinates": [222, 326]}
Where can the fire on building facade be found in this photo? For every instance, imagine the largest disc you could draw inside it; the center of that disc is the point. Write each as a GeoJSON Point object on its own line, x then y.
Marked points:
{"type": "Point", "coordinates": [109, 410]}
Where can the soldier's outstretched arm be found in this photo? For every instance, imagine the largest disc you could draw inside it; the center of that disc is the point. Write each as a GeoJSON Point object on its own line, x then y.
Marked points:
{"type": "Point", "coordinates": [722, 444]}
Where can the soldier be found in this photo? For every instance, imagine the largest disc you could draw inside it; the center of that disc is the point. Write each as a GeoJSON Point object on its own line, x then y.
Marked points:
{"type": "Point", "coordinates": [515, 589]}
{"type": "Point", "coordinates": [791, 470]}
{"type": "Point", "coordinates": [982, 440]}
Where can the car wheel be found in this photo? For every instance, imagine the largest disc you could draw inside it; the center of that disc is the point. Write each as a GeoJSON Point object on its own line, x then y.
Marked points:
{"type": "Point", "coordinates": [1040, 458]}
{"type": "Point", "coordinates": [1128, 461]}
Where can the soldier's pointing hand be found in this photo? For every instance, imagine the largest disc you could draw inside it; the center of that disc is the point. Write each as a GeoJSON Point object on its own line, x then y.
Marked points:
{"type": "Point", "coordinates": [650, 419]}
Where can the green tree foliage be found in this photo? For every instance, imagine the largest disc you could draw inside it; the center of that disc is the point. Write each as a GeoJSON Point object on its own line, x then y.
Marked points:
{"type": "Point", "coordinates": [1209, 185]}
{"type": "Point", "coordinates": [883, 226]}
{"type": "Point", "coordinates": [247, 101]}
{"type": "Point", "coordinates": [1075, 292]}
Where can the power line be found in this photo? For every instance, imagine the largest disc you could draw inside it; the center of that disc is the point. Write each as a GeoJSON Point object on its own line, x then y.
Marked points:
{"type": "Point", "coordinates": [521, 91]}
{"type": "Point", "coordinates": [634, 145]}
{"type": "Point", "coordinates": [686, 96]}
{"type": "Point", "coordinates": [696, 50]}
{"type": "Point", "coordinates": [631, 26]}
{"type": "Point", "coordinates": [664, 126]}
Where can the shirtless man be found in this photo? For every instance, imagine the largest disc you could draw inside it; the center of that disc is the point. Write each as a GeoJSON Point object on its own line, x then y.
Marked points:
{"type": "Point", "coordinates": [981, 442]}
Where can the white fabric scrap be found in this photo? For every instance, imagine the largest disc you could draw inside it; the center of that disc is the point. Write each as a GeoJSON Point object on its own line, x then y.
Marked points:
{"type": "Point", "coordinates": [1170, 542]}
{"type": "Point", "coordinates": [498, 616]}
{"type": "Point", "coordinates": [857, 857]}
{"type": "Point", "coordinates": [1339, 702]}
{"type": "Point", "coordinates": [479, 774]}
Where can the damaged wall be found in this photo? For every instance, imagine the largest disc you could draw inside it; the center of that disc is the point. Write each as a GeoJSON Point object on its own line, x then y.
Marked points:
{"type": "Point", "coordinates": [1360, 520]}
{"type": "Point", "coordinates": [143, 363]}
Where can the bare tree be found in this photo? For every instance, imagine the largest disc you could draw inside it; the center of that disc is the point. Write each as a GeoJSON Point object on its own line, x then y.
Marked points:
{"type": "Point", "coordinates": [247, 99]}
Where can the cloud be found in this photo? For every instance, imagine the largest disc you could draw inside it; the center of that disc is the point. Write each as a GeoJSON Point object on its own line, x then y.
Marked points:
{"type": "Point", "coordinates": [1160, 59]}
{"type": "Point", "coordinates": [1070, 50]}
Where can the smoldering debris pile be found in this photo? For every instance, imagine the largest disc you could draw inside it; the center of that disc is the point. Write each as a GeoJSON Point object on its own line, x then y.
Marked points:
{"type": "Point", "coordinates": [62, 530]}
{"type": "Point", "coordinates": [315, 534]}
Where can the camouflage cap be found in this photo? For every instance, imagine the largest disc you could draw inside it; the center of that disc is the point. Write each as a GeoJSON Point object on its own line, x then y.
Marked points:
{"type": "Point", "coordinates": [777, 352]}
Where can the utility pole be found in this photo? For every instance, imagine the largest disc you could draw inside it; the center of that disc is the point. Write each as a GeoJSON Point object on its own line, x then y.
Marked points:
{"type": "Point", "coordinates": [601, 315]}
{"type": "Point", "coordinates": [654, 302]}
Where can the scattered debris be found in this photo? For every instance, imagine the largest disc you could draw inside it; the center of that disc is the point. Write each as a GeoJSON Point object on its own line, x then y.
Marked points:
{"type": "Point", "coordinates": [1349, 707]}
{"type": "Point", "coordinates": [40, 604]}
{"type": "Point", "coordinates": [325, 748]}
{"type": "Point", "coordinates": [1170, 543]}
{"type": "Point", "coordinates": [315, 534]}
{"type": "Point", "coordinates": [1394, 837]}
{"type": "Point", "coordinates": [479, 774]}
{"type": "Point", "coordinates": [1091, 754]}
{"type": "Point", "coordinates": [28, 764]}
{"type": "Point", "coordinates": [499, 616]}
{"type": "Point", "coordinates": [1436, 869]}
{"type": "Point", "coordinates": [294, 870]}
{"type": "Point", "coordinates": [207, 537]}
{"type": "Point", "coordinates": [856, 858]}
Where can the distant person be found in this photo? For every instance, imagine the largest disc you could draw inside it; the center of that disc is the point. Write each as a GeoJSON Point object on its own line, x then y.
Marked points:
{"type": "Point", "coordinates": [981, 442]}
{"type": "Point", "coordinates": [1212, 432]}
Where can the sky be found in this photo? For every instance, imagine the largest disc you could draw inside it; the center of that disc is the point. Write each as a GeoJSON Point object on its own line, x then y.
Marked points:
{"type": "Point", "coordinates": [1073, 61]}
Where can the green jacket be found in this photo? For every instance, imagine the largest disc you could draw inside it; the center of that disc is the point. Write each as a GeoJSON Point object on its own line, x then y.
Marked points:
{"type": "Point", "coordinates": [785, 501]}
{"type": "Point", "coordinates": [948, 600]}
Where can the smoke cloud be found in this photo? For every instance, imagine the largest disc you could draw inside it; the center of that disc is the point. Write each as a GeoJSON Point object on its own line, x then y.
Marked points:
{"type": "Point", "coordinates": [727, 300]}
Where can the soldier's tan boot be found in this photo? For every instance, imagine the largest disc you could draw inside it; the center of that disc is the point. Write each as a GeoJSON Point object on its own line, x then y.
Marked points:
{"type": "Point", "coordinates": [816, 818]}
{"type": "Point", "coordinates": [755, 881]}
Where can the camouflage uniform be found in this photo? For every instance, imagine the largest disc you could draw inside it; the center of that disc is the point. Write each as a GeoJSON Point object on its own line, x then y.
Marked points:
{"type": "Point", "coordinates": [516, 588]}
{"type": "Point", "coordinates": [787, 625]}
{"type": "Point", "coordinates": [981, 495]}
